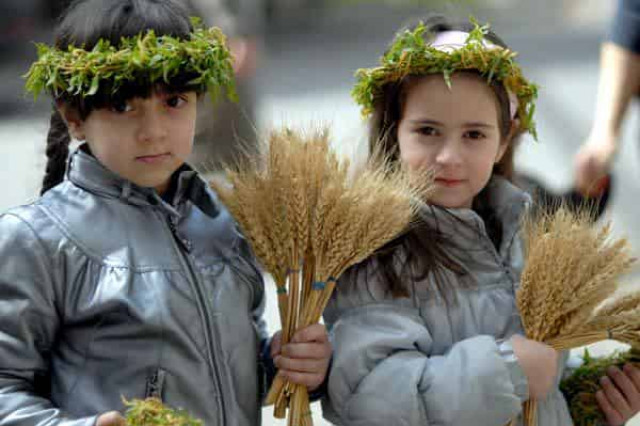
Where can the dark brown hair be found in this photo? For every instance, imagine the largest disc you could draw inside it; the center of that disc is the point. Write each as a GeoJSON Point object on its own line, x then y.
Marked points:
{"type": "Point", "coordinates": [424, 251]}
{"type": "Point", "coordinates": [84, 24]}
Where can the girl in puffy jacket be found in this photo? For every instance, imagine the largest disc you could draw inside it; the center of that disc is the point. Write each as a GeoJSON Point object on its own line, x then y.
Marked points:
{"type": "Point", "coordinates": [426, 332]}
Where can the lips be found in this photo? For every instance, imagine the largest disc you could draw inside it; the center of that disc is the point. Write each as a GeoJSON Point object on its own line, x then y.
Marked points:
{"type": "Point", "coordinates": [448, 181]}
{"type": "Point", "coordinates": [153, 158]}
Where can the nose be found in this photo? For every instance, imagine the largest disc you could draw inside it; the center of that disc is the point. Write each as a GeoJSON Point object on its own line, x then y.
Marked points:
{"type": "Point", "coordinates": [450, 153]}
{"type": "Point", "coordinates": [152, 127]}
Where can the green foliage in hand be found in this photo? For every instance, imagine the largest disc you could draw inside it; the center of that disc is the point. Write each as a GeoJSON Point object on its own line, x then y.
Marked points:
{"type": "Point", "coordinates": [151, 412]}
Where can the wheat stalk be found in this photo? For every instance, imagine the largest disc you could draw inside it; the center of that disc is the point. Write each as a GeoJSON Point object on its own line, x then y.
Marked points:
{"type": "Point", "coordinates": [571, 269]}
{"type": "Point", "coordinates": [308, 216]}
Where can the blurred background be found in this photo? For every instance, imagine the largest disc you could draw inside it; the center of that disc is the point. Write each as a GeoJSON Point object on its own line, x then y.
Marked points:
{"type": "Point", "coordinates": [297, 59]}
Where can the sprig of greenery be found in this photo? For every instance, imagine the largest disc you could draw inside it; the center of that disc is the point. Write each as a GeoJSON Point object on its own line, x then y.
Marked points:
{"type": "Point", "coordinates": [151, 412]}
{"type": "Point", "coordinates": [145, 58]}
{"type": "Point", "coordinates": [411, 54]}
{"type": "Point", "coordinates": [581, 386]}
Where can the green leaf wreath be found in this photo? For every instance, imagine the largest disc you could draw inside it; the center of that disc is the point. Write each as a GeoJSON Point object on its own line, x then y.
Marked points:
{"type": "Point", "coordinates": [411, 54]}
{"type": "Point", "coordinates": [145, 58]}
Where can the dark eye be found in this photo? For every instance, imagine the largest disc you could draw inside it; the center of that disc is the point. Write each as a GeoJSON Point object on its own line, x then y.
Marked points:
{"type": "Point", "coordinates": [121, 106]}
{"type": "Point", "coordinates": [175, 101]}
{"type": "Point", "coordinates": [474, 134]}
{"type": "Point", "coordinates": [428, 131]}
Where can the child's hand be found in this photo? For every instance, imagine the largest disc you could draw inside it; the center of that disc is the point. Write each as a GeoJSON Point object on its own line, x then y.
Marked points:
{"type": "Point", "coordinates": [540, 365]}
{"type": "Point", "coordinates": [112, 418]}
{"type": "Point", "coordinates": [305, 359]}
{"type": "Point", "coordinates": [619, 398]}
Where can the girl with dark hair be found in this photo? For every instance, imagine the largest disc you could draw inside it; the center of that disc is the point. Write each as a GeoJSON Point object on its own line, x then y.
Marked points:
{"type": "Point", "coordinates": [127, 278]}
{"type": "Point", "coordinates": [427, 330]}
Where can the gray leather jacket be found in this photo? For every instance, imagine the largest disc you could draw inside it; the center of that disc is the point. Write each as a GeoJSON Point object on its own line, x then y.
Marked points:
{"type": "Point", "coordinates": [106, 291]}
{"type": "Point", "coordinates": [419, 360]}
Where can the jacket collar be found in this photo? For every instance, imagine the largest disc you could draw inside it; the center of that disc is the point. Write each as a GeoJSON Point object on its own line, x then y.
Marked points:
{"type": "Point", "coordinates": [505, 200]}
{"type": "Point", "coordinates": [85, 171]}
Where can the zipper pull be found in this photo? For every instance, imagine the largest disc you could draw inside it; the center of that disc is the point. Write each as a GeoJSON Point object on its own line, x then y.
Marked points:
{"type": "Point", "coordinates": [155, 384]}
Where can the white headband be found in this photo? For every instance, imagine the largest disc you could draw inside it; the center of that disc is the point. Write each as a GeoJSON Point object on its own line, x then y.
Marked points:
{"type": "Point", "coordinates": [448, 41]}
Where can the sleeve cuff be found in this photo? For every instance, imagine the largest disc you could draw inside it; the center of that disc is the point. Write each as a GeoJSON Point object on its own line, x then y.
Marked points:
{"type": "Point", "coordinates": [322, 390]}
{"type": "Point", "coordinates": [518, 378]}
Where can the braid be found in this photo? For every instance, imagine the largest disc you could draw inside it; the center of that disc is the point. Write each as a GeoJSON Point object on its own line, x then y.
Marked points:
{"type": "Point", "coordinates": [57, 152]}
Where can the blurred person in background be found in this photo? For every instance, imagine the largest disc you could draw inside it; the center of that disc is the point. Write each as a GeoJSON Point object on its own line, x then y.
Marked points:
{"type": "Point", "coordinates": [18, 19]}
{"type": "Point", "coordinates": [619, 84]}
{"type": "Point", "coordinates": [226, 130]}
{"type": "Point", "coordinates": [20, 22]}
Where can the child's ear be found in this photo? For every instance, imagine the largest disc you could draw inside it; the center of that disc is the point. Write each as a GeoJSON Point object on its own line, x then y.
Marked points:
{"type": "Point", "coordinates": [72, 119]}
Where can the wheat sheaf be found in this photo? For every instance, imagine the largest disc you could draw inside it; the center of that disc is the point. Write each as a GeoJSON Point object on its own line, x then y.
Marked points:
{"type": "Point", "coordinates": [567, 291]}
{"type": "Point", "coordinates": [309, 215]}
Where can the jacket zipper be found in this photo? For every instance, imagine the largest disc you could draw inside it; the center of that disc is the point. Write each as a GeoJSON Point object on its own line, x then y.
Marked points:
{"type": "Point", "coordinates": [204, 308]}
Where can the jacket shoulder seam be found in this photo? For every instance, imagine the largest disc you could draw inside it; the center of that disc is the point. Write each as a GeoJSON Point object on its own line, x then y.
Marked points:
{"type": "Point", "coordinates": [86, 250]}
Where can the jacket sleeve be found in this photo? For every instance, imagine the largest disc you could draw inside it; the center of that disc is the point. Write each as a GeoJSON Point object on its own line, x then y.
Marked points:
{"type": "Point", "coordinates": [266, 368]}
{"type": "Point", "coordinates": [384, 373]}
{"type": "Point", "coordinates": [625, 28]}
{"type": "Point", "coordinates": [29, 323]}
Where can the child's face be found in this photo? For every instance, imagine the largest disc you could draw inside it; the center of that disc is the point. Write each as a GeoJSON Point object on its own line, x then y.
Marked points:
{"type": "Point", "coordinates": [143, 140]}
{"type": "Point", "coordinates": [453, 131]}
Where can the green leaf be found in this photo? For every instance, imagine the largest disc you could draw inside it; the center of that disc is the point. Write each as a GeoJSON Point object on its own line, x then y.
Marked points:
{"type": "Point", "coordinates": [95, 84]}
{"type": "Point", "coordinates": [447, 77]}
{"type": "Point", "coordinates": [145, 56]}
{"type": "Point", "coordinates": [411, 54]}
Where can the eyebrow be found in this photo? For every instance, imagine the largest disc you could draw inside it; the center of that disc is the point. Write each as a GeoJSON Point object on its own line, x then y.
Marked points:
{"type": "Point", "coordinates": [163, 89]}
{"type": "Point", "coordinates": [474, 124]}
{"type": "Point", "coordinates": [170, 92]}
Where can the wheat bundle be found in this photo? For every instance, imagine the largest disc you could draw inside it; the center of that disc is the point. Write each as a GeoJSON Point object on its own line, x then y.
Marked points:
{"type": "Point", "coordinates": [571, 273]}
{"type": "Point", "coordinates": [309, 216]}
